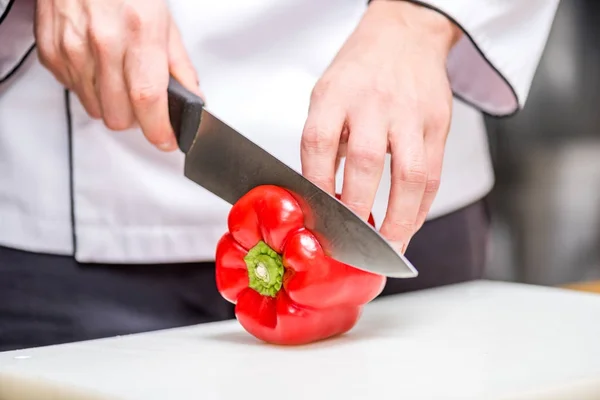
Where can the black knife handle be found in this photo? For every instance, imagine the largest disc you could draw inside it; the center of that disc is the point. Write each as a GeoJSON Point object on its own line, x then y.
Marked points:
{"type": "Point", "coordinates": [185, 112]}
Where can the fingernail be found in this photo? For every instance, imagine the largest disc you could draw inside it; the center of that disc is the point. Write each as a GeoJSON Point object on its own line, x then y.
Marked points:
{"type": "Point", "coordinates": [168, 146]}
{"type": "Point", "coordinates": [398, 246]}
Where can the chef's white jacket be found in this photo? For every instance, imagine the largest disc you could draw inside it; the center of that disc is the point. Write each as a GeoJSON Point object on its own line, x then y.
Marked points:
{"type": "Point", "coordinates": [70, 186]}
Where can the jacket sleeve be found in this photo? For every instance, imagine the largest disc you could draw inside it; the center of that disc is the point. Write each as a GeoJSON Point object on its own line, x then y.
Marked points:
{"type": "Point", "coordinates": [16, 34]}
{"type": "Point", "coordinates": [494, 63]}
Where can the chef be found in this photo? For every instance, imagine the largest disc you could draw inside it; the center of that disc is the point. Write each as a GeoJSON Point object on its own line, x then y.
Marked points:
{"type": "Point", "coordinates": [100, 232]}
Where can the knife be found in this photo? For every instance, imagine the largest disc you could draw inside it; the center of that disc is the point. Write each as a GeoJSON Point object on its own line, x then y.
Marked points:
{"type": "Point", "coordinates": [228, 164]}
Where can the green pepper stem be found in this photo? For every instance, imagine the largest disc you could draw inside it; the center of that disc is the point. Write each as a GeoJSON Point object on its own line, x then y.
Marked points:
{"type": "Point", "coordinates": [265, 269]}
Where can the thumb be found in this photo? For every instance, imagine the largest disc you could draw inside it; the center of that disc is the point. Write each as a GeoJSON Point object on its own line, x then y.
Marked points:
{"type": "Point", "coordinates": [180, 65]}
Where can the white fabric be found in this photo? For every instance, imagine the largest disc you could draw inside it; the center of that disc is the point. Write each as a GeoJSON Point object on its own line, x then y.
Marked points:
{"type": "Point", "coordinates": [511, 34]}
{"type": "Point", "coordinates": [258, 62]}
{"type": "Point", "coordinates": [34, 163]}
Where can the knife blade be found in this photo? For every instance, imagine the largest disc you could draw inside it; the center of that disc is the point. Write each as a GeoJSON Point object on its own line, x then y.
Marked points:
{"type": "Point", "coordinates": [228, 164]}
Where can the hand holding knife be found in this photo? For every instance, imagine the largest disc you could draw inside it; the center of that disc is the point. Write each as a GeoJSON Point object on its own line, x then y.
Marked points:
{"type": "Point", "coordinates": [229, 165]}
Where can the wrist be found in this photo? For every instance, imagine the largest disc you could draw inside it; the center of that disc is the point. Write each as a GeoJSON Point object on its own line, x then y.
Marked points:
{"type": "Point", "coordinates": [428, 25]}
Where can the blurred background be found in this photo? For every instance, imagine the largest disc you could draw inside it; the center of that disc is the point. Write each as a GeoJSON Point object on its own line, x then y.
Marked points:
{"type": "Point", "coordinates": [546, 203]}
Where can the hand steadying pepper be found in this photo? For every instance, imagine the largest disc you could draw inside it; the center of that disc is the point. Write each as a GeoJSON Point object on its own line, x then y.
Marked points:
{"type": "Point", "coordinates": [286, 290]}
{"type": "Point", "coordinates": [386, 90]}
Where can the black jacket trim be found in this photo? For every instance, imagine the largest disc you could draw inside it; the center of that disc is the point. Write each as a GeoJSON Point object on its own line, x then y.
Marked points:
{"type": "Point", "coordinates": [6, 11]}
{"type": "Point", "coordinates": [68, 115]}
{"type": "Point", "coordinates": [18, 65]}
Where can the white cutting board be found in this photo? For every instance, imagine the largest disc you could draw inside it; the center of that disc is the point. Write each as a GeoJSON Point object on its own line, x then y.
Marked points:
{"type": "Point", "coordinates": [480, 340]}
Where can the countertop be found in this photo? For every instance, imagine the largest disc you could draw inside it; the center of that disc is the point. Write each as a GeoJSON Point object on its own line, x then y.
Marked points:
{"type": "Point", "coordinates": [478, 340]}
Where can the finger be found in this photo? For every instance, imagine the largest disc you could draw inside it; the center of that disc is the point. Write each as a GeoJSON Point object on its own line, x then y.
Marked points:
{"type": "Point", "coordinates": [320, 139]}
{"type": "Point", "coordinates": [436, 133]}
{"type": "Point", "coordinates": [365, 159]}
{"type": "Point", "coordinates": [434, 153]}
{"type": "Point", "coordinates": [408, 181]}
{"type": "Point", "coordinates": [109, 52]}
{"type": "Point", "coordinates": [180, 65]}
{"type": "Point", "coordinates": [81, 67]}
{"type": "Point", "coordinates": [147, 76]}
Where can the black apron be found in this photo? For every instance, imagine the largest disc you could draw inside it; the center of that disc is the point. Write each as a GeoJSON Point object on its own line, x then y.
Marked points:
{"type": "Point", "coordinates": [49, 299]}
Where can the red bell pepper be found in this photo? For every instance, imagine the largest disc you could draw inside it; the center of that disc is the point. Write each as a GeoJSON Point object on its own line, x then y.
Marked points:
{"type": "Point", "coordinates": [285, 288]}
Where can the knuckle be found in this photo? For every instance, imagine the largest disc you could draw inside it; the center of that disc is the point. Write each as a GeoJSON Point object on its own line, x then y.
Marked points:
{"type": "Point", "coordinates": [117, 116]}
{"type": "Point", "coordinates": [95, 114]}
{"type": "Point", "coordinates": [117, 123]}
{"type": "Point", "coordinates": [364, 156]}
{"type": "Point", "coordinates": [320, 90]}
{"type": "Point", "coordinates": [72, 46]}
{"type": "Point", "coordinates": [134, 19]}
{"type": "Point", "coordinates": [402, 228]}
{"type": "Point", "coordinates": [405, 226]}
{"type": "Point", "coordinates": [382, 92]}
{"type": "Point", "coordinates": [414, 174]}
{"type": "Point", "coordinates": [432, 186]}
{"type": "Point", "coordinates": [318, 140]}
{"type": "Point", "coordinates": [92, 108]}
{"type": "Point", "coordinates": [145, 94]}
{"type": "Point", "coordinates": [322, 181]}
{"type": "Point", "coordinates": [47, 56]}
{"type": "Point", "coordinates": [378, 88]}
{"type": "Point", "coordinates": [102, 41]}
{"type": "Point", "coordinates": [361, 207]}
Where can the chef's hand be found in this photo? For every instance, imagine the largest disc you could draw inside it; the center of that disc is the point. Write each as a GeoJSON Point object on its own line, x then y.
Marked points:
{"type": "Point", "coordinates": [116, 55]}
{"type": "Point", "coordinates": [385, 91]}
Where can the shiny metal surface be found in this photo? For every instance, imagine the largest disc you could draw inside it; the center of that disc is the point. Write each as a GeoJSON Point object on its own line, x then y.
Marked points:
{"type": "Point", "coordinates": [228, 164]}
